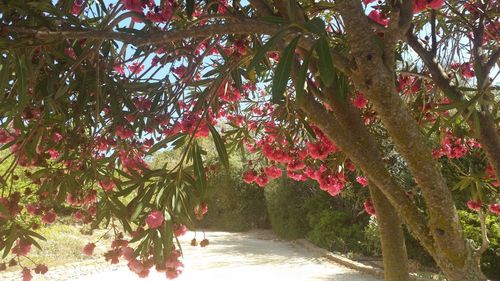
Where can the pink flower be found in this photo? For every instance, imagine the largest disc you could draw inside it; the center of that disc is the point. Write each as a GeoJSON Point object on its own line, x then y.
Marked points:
{"type": "Point", "coordinates": [133, 5]}
{"type": "Point", "coordinates": [49, 217]}
{"type": "Point", "coordinates": [107, 184]}
{"type": "Point", "coordinates": [366, 2]}
{"type": "Point", "coordinates": [180, 71]}
{"type": "Point", "coordinates": [57, 137]}
{"type": "Point", "coordinates": [76, 9]}
{"type": "Point", "coordinates": [123, 132]}
{"type": "Point", "coordinates": [128, 253]}
{"type": "Point", "coordinates": [249, 176]}
{"type": "Point", "coordinates": [378, 17]}
{"type": "Point", "coordinates": [261, 180]}
{"type": "Point", "coordinates": [89, 249]}
{"type": "Point", "coordinates": [468, 70]}
{"type": "Point", "coordinates": [162, 16]}
{"type": "Point", "coordinates": [22, 248]}
{"type": "Point", "coordinates": [155, 219]}
{"type": "Point", "coordinates": [119, 69]}
{"type": "Point", "coordinates": [273, 172]}
{"type": "Point", "coordinates": [369, 209]}
{"type": "Point", "coordinates": [360, 101]}
{"type": "Point", "coordinates": [362, 180]}
{"type": "Point", "coordinates": [495, 208]}
{"type": "Point", "coordinates": [70, 52]}
{"type": "Point", "coordinates": [179, 229]}
{"type": "Point", "coordinates": [136, 67]}
{"type": "Point", "coordinates": [53, 153]}
{"type": "Point", "coordinates": [135, 266]}
{"type": "Point", "coordinates": [41, 269]}
{"type": "Point", "coordinates": [201, 210]}
{"type": "Point", "coordinates": [420, 5]}
{"type": "Point", "coordinates": [435, 4]}
{"type": "Point", "coordinates": [26, 274]}
{"type": "Point", "coordinates": [474, 205]}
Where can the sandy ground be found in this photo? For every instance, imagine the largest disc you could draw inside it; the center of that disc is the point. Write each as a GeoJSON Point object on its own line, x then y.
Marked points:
{"type": "Point", "coordinates": [255, 256]}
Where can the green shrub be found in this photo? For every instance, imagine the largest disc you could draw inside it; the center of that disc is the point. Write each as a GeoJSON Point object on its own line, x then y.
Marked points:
{"type": "Point", "coordinates": [285, 206]}
{"type": "Point", "coordinates": [336, 231]}
{"type": "Point", "coordinates": [234, 205]}
{"type": "Point", "coordinates": [490, 261]}
{"type": "Point", "coordinates": [371, 243]}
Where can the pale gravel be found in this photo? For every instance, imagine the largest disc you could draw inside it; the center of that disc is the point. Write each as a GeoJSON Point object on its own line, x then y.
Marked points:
{"type": "Point", "coordinates": [256, 256]}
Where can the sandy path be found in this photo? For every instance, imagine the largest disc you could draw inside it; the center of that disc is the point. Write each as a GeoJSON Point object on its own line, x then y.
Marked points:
{"type": "Point", "coordinates": [255, 256]}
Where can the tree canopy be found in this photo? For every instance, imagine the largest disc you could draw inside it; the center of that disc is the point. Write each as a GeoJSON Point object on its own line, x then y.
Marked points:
{"type": "Point", "coordinates": [322, 90]}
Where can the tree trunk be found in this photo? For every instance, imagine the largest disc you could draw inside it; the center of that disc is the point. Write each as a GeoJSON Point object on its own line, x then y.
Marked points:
{"type": "Point", "coordinates": [375, 78]}
{"type": "Point", "coordinates": [391, 237]}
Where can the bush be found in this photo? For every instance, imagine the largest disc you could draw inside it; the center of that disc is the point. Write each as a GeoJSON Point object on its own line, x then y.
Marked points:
{"type": "Point", "coordinates": [371, 242]}
{"type": "Point", "coordinates": [490, 260]}
{"type": "Point", "coordinates": [285, 206]}
{"type": "Point", "coordinates": [336, 231]}
{"type": "Point", "coordinates": [234, 205]}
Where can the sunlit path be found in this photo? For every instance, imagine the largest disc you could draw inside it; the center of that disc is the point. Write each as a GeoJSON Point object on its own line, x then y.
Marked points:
{"type": "Point", "coordinates": [249, 256]}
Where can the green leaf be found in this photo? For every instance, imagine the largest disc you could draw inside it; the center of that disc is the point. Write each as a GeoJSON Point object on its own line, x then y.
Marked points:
{"type": "Point", "coordinates": [190, 7]}
{"type": "Point", "coordinates": [316, 25]}
{"type": "Point", "coordinates": [261, 53]}
{"type": "Point", "coordinates": [61, 91]}
{"type": "Point", "coordinates": [219, 145]}
{"type": "Point", "coordinates": [434, 128]}
{"type": "Point", "coordinates": [199, 170]}
{"type": "Point", "coordinates": [163, 143]}
{"type": "Point", "coordinates": [8, 243]}
{"type": "Point", "coordinates": [4, 74]}
{"type": "Point", "coordinates": [21, 76]}
{"type": "Point", "coordinates": [302, 76]}
{"type": "Point", "coordinates": [137, 211]}
{"type": "Point", "coordinates": [157, 246]}
{"type": "Point", "coordinates": [325, 64]}
{"type": "Point", "coordinates": [282, 72]}
{"type": "Point", "coordinates": [4, 210]}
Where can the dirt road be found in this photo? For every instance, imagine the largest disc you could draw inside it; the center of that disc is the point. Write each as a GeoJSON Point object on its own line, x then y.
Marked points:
{"type": "Point", "coordinates": [256, 256]}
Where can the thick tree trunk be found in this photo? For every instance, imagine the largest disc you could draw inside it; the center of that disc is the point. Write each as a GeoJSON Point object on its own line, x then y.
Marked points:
{"type": "Point", "coordinates": [375, 77]}
{"type": "Point", "coordinates": [391, 237]}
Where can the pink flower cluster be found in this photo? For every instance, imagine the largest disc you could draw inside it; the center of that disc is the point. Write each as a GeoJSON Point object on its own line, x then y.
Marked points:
{"type": "Point", "coordinates": [454, 147]}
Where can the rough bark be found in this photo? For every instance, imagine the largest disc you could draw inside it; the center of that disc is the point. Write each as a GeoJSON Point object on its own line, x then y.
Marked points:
{"type": "Point", "coordinates": [391, 237]}
{"type": "Point", "coordinates": [375, 78]}
{"type": "Point", "coordinates": [361, 151]}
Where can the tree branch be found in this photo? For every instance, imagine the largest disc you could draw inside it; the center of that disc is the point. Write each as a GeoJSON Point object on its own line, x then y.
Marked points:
{"type": "Point", "coordinates": [437, 72]}
{"type": "Point", "coordinates": [363, 152]}
{"type": "Point", "coordinates": [149, 38]}
{"type": "Point", "coordinates": [487, 132]}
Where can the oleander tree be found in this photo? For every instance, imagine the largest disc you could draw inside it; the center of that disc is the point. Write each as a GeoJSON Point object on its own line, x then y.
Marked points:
{"type": "Point", "coordinates": [315, 89]}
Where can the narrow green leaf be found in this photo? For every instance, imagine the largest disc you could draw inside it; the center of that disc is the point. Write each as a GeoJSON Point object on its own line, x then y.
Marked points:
{"type": "Point", "coordinates": [8, 243]}
{"type": "Point", "coordinates": [434, 128]}
{"type": "Point", "coordinates": [316, 25]}
{"type": "Point", "coordinates": [219, 145]}
{"type": "Point", "coordinates": [157, 246]}
{"type": "Point", "coordinates": [301, 79]}
{"type": "Point", "coordinates": [282, 72]}
{"type": "Point", "coordinates": [61, 91]}
{"type": "Point", "coordinates": [4, 74]}
{"type": "Point", "coordinates": [190, 7]}
{"type": "Point", "coordinates": [260, 54]}
{"type": "Point", "coordinates": [199, 170]}
{"type": "Point", "coordinates": [137, 211]}
{"type": "Point", "coordinates": [325, 64]}
{"type": "Point", "coordinates": [4, 210]}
